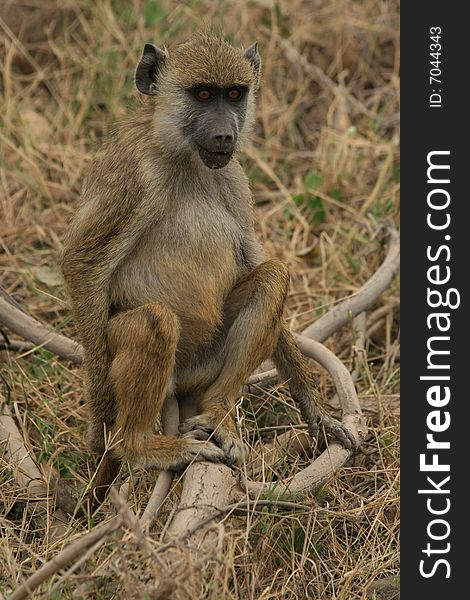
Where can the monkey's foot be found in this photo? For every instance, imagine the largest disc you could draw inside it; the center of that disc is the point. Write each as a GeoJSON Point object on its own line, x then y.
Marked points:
{"type": "Point", "coordinates": [202, 427]}
{"type": "Point", "coordinates": [172, 454]}
{"type": "Point", "coordinates": [333, 428]}
{"type": "Point", "coordinates": [196, 449]}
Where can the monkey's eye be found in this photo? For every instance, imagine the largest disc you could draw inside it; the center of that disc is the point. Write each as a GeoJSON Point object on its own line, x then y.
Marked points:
{"type": "Point", "coordinates": [203, 95]}
{"type": "Point", "coordinates": [234, 94]}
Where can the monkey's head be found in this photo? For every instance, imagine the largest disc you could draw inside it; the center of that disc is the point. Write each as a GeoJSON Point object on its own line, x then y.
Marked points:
{"type": "Point", "coordinates": [204, 95]}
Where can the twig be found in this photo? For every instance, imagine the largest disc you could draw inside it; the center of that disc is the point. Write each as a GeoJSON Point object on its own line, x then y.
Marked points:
{"type": "Point", "coordinates": [281, 427]}
{"type": "Point", "coordinates": [17, 345]}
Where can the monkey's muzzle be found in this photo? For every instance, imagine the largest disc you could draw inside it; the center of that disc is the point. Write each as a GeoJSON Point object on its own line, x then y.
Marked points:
{"type": "Point", "coordinates": [214, 160]}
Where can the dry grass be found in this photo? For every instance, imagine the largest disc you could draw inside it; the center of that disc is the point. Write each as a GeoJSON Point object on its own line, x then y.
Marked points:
{"type": "Point", "coordinates": [324, 172]}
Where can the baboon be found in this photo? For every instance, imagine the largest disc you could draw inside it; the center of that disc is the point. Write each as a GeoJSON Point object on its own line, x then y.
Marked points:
{"type": "Point", "coordinates": [169, 288]}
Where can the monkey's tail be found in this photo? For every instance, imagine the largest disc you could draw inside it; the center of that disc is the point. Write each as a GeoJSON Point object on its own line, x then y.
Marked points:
{"type": "Point", "coordinates": [107, 472]}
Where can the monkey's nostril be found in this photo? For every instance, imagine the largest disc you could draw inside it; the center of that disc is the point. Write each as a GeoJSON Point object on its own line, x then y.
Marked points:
{"type": "Point", "coordinates": [223, 137]}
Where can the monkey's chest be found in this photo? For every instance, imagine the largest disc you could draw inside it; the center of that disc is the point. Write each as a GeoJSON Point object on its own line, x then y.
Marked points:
{"type": "Point", "coordinates": [189, 263]}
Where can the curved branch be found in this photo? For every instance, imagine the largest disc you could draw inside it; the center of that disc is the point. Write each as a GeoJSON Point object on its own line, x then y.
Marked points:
{"type": "Point", "coordinates": [339, 373]}
{"type": "Point", "coordinates": [350, 307]}
{"type": "Point", "coordinates": [310, 479]}
{"type": "Point", "coordinates": [42, 335]}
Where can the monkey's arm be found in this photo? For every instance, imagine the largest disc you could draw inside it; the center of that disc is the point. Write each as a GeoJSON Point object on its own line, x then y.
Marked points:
{"type": "Point", "coordinates": [293, 367]}
{"type": "Point", "coordinates": [99, 239]}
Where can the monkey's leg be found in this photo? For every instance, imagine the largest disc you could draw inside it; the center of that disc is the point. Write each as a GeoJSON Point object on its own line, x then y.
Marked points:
{"type": "Point", "coordinates": [292, 366]}
{"type": "Point", "coordinates": [253, 313]}
{"type": "Point", "coordinates": [143, 343]}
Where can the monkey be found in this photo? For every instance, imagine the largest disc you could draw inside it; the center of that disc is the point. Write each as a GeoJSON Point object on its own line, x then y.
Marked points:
{"type": "Point", "coordinates": [170, 290]}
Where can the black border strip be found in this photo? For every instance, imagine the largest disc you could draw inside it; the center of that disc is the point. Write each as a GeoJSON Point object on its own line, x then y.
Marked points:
{"type": "Point", "coordinates": [427, 128]}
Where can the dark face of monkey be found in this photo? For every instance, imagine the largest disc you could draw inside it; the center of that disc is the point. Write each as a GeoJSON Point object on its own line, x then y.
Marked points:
{"type": "Point", "coordinates": [215, 118]}
{"type": "Point", "coordinates": [205, 88]}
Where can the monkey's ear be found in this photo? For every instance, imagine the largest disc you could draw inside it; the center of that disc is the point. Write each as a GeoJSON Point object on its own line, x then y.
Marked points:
{"type": "Point", "coordinates": [148, 68]}
{"type": "Point", "coordinates": [253, 57]}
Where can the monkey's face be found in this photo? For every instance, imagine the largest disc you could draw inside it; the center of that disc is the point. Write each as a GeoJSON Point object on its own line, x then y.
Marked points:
{"type": "Point", "coordinates": [204, 94]}
{"type": "Point", "coordinates": [214, 120]}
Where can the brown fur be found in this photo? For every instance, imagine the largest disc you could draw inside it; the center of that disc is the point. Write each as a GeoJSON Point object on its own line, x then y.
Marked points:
{"type": "Point", "coordinates": [210, 59]}
{"type": "Point", "coordinates": [168, 287]}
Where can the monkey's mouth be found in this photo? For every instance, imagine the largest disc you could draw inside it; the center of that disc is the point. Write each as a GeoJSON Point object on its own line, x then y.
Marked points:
{"type": "Point", "coordinates": [214, 160]}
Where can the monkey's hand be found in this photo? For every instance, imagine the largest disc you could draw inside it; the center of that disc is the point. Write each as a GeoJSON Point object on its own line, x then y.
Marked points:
{"type": "Point", "coordinates": [224, 434]}
{"type": "Point", "coordinates": [320, 421]}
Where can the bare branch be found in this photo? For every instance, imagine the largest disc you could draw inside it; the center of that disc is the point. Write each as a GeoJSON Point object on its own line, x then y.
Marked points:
{"type": "Point", "coordinates": [310, 479]}
{"type": "Point", "coordinates": [31, 329]}
{"type": "Point", "coordinates": [17, 345]}
{"type": "Point", "coordinates": [207, 488]}
{"type": "Point", "coordinates": [339, 373]}
{"type": "Point", "coordinates": [350, 307]}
